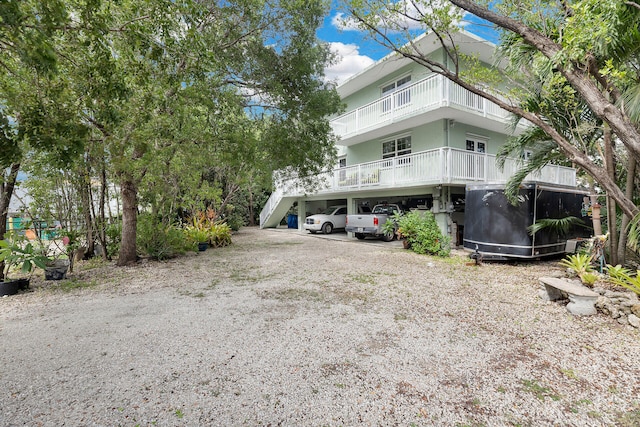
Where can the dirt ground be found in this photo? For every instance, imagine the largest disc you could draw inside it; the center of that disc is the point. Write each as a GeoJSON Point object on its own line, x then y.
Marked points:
{"type": "Point", "coordinates": [285, 328]}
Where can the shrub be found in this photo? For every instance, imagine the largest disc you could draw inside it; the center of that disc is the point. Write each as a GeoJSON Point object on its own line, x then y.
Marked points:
{"type": "Point", "coordinates": [219, 234]}
{"type": "Point", "coordinates": [623, 277]}
{"type": "Point", "coordinates": [421, 231]}
{"type": "Point", "coordinates": [159, 241]}
{"type": "Point", "coordinates": [580, 263]}
{"type": "Point", "coordinates": [589, 278]}
{"type": "Point", "coordinates": [114, 235]}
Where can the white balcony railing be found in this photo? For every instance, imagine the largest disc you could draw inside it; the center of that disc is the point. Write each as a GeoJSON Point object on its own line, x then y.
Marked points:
{"type": "Point", "coordinates": [432, 167]}
{"type": "Point", "coordinates": [439, 166]}
{"type": "Point", "coordinates": [425, 95]}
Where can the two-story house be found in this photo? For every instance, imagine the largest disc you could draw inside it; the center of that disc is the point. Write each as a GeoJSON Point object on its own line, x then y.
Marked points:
{"type": "Point", "coordinates": [413, 138]}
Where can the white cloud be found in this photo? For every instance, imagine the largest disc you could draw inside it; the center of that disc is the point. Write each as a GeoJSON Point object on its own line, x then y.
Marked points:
{"type": "Point", "coordinates": [349, 62]}
{"type": "Point", "coordinates": [404, 15]}
{"type": "Point", "coordinates": [343, 23]}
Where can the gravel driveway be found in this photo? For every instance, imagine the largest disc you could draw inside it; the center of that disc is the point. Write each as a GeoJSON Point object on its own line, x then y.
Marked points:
{"type": "Point", "coordinates": [284, 328]}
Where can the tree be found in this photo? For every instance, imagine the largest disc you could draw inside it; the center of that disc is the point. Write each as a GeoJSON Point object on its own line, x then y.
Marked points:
{"type": "Point", "coordinates": [588, 46]}
{"type": "Point", "coordinates": [134, 92]}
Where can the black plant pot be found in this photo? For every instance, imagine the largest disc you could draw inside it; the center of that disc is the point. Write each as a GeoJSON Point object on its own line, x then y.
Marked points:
{"type": "Point", "coordinates": [12, 287]}
{"type": "Point", "coordinates": [56, 271]}
{"type": "Point", "coordinates": [203, 246]}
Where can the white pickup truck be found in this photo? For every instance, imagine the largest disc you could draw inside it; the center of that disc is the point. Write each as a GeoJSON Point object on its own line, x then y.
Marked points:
{"type": "Point", "coordinates": [363, 225]}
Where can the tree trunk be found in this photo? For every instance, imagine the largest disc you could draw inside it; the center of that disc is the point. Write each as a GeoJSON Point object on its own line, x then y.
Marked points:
{"type": "Point", "coordinates": [128, 249]}
{"type": "Point", "coordinates": [252, 222]}
{"type": "Point", "coordinates": [7, 186]}
{"type": "Point", "coordinates": [626, 219]}
{"type": "Point", "coordinates": [85, 197]}
{"type": "Point", "coordinates": [102, 236]}
{"type": "Point", "coordinates": [612, 220]}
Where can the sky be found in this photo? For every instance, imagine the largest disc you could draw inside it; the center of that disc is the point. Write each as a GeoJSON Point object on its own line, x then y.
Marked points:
{"type": "Point", "coordinates": [356, 52]}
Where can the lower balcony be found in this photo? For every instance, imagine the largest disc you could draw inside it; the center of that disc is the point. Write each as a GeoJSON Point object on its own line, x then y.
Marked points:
{"type": "Point", "coordinates": [433, 167]}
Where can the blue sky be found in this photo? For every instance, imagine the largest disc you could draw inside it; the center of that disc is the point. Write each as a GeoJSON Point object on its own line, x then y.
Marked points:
{"type": "Point", "coordinates": [356, 52]}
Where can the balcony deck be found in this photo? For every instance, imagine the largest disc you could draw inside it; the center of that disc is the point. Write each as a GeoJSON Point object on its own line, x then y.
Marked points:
{"type": "Point", "coordinates": [441, 166]}
{"type": "Point", "coordinates": [432, 93]}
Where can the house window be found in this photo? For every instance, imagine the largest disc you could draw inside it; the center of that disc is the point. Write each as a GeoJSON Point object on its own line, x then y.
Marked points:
{"type": "Point", "coordinates": [342, 164]}
{"type": "Point", "coordinates": [526, 155]}
{"type": "Point", "coordinates": [397, 147]}
{"type": "Point", "coordinates": [476, 145]}
{"type": "Point", "coordinates": [475, 165]}
{"type": "Point", "coordinates": [399, 97]}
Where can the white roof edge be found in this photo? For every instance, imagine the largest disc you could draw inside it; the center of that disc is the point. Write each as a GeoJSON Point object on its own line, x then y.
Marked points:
{"type": "Point", "coordinates": [345, 89]}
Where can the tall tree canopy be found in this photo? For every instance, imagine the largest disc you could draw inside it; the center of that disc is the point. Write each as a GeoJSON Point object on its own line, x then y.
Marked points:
{"type": "Point", "coordinates": [175, 100]}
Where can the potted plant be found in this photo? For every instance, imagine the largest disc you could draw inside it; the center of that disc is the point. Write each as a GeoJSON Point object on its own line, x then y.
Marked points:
{"type": "Point", "coordinates": [57, 266]}
{"type": "Point", "coordinates": [17, 252]}
{"type": "Point", "coordinates": [199, 237]}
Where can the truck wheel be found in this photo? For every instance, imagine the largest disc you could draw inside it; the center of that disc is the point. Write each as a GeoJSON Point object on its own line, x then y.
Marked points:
{"type": "Point", "coordinates": [312, 231]}
{"type": "Point", "coordinates": [360, 236]}
{"type": "Point", "coordinates": [387, 237]}
{"type": "Point", "coordinates": [327, 228]}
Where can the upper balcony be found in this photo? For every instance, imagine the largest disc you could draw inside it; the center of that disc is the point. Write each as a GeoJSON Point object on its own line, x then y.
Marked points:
{"type": "Point", "coordinates": [435, 95]}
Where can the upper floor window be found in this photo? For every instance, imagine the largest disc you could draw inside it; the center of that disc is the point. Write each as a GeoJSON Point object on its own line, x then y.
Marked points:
{"type": "Point", "coordinates": [400, 97]}
{"type": "Point", "coordinates": [342, 164]}
{"type": "Point", "coordinates": [397, 147]}
{"type": "Point", "coordinates": [476, 145]}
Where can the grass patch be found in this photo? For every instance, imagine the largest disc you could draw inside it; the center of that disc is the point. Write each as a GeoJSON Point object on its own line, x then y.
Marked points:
{"type": "Point", "coordinates": [295, 294]}
{"type": "Point", "coordinates": [90, 264]}
{"type": "Point", "coordinates": [629, 419]}
{"type": "Point", "coordinates": [364, 279]}
{"type": "Point", "coordinates": [72, 284]}
{"type": "Point", "coordinates": [540, 391]}
{"type": "Point", "coordinates": [569, 373]}
{"type": "Point", "coordinates": [246, 278]}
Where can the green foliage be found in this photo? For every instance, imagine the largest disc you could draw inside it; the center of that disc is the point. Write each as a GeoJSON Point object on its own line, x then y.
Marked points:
{"type": "Point", "coordinates": [159, 241]}
{"type": "Point", "coordinates": [624, 277]}
{"type": "Point", "coordinates": [422, 232]}
{"type": "Point", "coordinates": [17, 251]}
{"type": "Point", "coordinates": [589, 278]}
{"type": "Point", "coordinates": [561, 226]}
{"type": "Point", "coordinates": [113, 235]}
{"type": "Point", "coordinates": [580, 263]}
{"type": "Point", "coordinates": [204, 227]}
{"type": "Point", "coordinates": [197, 235]}
{"type": "Point", "coordinates": [220, 234]}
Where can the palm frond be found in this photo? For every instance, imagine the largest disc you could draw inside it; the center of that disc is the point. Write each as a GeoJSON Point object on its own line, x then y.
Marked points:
{"type": "Point", "coordinates": [557, 225]}
{"type": "Point", "coordinates": [634, 233]}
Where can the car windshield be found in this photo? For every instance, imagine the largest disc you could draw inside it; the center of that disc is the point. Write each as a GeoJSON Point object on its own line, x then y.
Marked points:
{"type": "Point", "coordinates": [330, 210]}
{"type": "Point", "coordinates": [387, 210]}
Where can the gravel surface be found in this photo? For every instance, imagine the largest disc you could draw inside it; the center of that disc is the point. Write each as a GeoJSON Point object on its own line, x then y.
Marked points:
{"type": "Point", "coordinates": [284, 328]}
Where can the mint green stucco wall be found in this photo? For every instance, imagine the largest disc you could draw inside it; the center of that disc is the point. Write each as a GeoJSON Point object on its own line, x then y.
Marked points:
{"type": "Point", "coordinates": [459, 132]}
{"type": "Point", "coordinates": [426, 137]}
{"type": "Point", "coordinates": [374, 91]}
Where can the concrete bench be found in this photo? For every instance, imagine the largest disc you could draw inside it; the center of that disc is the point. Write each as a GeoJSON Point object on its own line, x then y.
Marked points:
{"type": "Point", "coordinates": [581, 299]}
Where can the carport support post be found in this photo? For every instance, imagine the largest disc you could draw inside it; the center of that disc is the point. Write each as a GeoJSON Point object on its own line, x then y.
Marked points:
{"type": "Point", "coordinates": [352, 208]}
{"type": "Point", "coordinates": [302, 213]}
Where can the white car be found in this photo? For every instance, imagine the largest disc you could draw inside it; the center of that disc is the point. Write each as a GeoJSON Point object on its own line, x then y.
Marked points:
{"type": "Point", "coordinates": [333, 217]}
